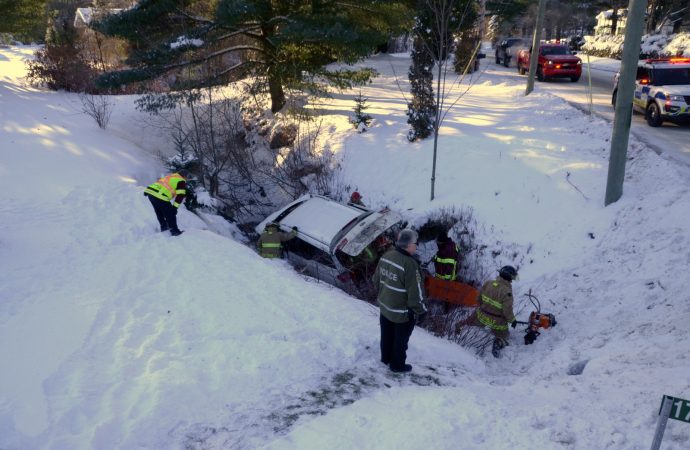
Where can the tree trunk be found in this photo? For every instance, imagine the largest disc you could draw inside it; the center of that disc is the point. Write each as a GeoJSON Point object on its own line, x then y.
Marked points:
{"type": "Point", "coordinates": [653, 17]}
{"type": "Point", "coordinates": [275, 88]}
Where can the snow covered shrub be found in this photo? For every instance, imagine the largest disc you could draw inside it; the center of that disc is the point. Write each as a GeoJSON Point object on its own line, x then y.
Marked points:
{"type": "Point", "coordinates": [679, 45]}
{"type": "Point", "coordinates": [361, 120]}
{"type": "Point", "coordinates": [605, 46]}
{"type": "Point", "coordinates": [652, 46]}
{"type": "Point", "coordinates": [98, 107]}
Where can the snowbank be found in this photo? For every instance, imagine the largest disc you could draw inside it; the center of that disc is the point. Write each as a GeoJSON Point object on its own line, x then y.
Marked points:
{"type": "Point", "coordinates": [113, 335]}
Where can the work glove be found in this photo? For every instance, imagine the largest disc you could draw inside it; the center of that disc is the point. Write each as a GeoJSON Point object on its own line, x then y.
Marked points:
{"type": "Point", "coordinates": [420, 318]}
{"type": "Point", "coordinates": [514, 323]}
{"type": "Point", "coordinates": [295, 229]}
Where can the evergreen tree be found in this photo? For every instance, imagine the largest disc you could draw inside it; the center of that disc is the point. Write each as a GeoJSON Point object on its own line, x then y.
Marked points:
{"type": "Point", "coordinates": [286, 43]}
{"type": "Point", "coordinates": [26, 19]}
{"type": "Point", "coordinates": [361, 120]}
{"type": "Point", "coordinates": [421, 111]}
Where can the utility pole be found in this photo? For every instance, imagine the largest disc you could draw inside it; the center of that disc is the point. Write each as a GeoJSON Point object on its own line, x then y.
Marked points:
{"type": "Point", "coordinates": [482, 19]}
{"type": "Point", "coordinates": [624, 98]}
{"type": "Point", "coordinates": [534, 53]}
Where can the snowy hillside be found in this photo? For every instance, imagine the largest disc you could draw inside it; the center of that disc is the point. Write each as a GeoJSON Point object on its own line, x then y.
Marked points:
{"type": "Point", "coordinates": [113, 335]}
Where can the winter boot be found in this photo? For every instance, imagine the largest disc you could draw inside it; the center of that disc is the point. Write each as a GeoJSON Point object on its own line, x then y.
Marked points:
{"type": "Point", "coordinates": [176, 232]}
{"type": "Point", "coordinates": [404, 369]}
{"type": "Point", "coordinates": [497, 347]}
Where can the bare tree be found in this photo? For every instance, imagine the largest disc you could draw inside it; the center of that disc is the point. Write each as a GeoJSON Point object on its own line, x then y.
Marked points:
{"type": "Point", "coordinates": [98, 107]}
{"type": "Point", "coordinates": [445, 19]}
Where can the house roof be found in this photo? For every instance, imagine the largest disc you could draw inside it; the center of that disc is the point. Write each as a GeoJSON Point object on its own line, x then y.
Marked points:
{"type": "Point", "coordinates": [83, 16]}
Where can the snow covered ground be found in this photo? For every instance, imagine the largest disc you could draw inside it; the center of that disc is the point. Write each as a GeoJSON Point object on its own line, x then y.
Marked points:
{"type": "Point", "coordinates": [115, 336]}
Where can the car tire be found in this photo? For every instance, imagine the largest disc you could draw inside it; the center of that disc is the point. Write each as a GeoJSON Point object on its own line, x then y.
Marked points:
{"type": "Point", "coordinates": [540, 75]}
{"type": "Point", "coordinates": [653, 115]}
{"type": "Point", "coordinates": [575, 79]}
{"type": "Point", "coordinates": [614, 96]}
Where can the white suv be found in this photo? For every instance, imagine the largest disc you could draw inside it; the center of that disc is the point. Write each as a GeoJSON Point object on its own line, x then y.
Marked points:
{"type": "Point", "coordinates": [336, 243]}
{"type": "Point", "coordinates": [662, 90]}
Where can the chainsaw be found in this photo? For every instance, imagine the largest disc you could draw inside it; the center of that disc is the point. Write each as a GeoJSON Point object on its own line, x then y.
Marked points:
{"type": "Point", "coordinates": [537, 320]}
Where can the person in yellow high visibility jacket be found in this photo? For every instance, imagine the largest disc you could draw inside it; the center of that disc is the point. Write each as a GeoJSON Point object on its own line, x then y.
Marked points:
{"type": "Point", "coordinates": [166, 196]}
{"type": "Point", "coordinates": [495, 310]}
{"type": "Point", "coordinates": [270, 243]}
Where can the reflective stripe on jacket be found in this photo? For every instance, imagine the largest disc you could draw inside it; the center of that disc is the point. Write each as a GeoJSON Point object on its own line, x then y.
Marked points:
{"type": "Point", "coordinates": [446, 261]}
{"type": "Point", "coordinates": [270, 242]}
{"type": "Point", "coordinates": [399, 283]}
{"type": "Point", "coordinates": [168, 188]}
{"type": "Point", "coordinates": [496, 304]}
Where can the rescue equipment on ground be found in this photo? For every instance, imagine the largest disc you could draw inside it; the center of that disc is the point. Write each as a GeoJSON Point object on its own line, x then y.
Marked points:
{"type": "Point", "coordinates": [537, 320]}
{"type": "Point", "coordinates": [449, 291]}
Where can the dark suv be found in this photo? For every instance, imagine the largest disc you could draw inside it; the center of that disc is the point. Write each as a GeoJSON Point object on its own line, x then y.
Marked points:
{"type": "Point", "coordinates": [507, 50]}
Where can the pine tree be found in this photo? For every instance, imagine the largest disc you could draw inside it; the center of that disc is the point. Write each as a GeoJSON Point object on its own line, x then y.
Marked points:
{"type": "Point", "coordinates": [285, 43]}
{"type": "Point", "coordinates": [361, 120]}
{"type": "Point", "coordinates": [26, 19]}
{"type": "Point", "coordinates": [421, 111]}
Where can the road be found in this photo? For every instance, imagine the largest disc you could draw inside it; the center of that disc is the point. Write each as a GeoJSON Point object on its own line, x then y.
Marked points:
{"type": "Point", "coordinates": [672, 141]}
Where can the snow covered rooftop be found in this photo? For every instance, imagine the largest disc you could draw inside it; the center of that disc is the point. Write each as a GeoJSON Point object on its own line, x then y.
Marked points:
{"type": "Point", "coordinates": [84, 16]}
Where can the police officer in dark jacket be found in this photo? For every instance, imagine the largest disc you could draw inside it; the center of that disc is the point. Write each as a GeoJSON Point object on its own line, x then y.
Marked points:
{"type": "Point", "coordinates": [400, 296]}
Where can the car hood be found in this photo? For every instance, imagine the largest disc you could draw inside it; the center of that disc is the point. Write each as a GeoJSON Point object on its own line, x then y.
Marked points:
{"type": "Point", "coordinates": [366, 231]}
{"type": "Point", "coordinates": [676, 89]}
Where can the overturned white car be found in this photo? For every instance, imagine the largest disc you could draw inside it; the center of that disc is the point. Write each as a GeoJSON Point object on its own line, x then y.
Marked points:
{"type": "Point", "coordinates": [336, 243]}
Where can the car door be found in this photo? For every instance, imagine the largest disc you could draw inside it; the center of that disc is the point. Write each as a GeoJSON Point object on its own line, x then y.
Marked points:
{"type": "Point", "coordinates": [502, 49]}
{"type": "Point", "coordinates": [642, 87]}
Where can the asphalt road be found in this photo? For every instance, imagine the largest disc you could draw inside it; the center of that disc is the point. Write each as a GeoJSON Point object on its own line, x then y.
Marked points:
{"type": "Point", "coordinates": [670, 140]}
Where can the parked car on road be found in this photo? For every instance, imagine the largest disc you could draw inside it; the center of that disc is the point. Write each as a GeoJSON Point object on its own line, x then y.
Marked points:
{"type": "Point", "coordinates": [662, 90]}
{"type": "Point", "coordinates": [508, 48]}
{"type": "Point", "coordinates": [336, 243]}
{"type": "Point", "coordinates": [555, 61]}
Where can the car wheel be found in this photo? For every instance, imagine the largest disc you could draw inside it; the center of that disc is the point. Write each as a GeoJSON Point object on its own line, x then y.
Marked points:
{"type": "Point", "coordinates": [540, 74]}
{"type": "Point", "coordinates": [653, 115]}
{"type": "Point", "coordinates": [613, 97]}
{"type": "Point", "coordinates": [575, 79]}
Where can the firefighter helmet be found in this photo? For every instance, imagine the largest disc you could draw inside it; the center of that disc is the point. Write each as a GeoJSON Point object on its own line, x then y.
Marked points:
{"type": "Point", "coordinates": [508, 273]}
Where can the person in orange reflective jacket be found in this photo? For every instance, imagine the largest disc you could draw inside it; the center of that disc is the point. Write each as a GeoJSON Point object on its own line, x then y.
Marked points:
{"type": "Point", "coordinates": [171, 188]}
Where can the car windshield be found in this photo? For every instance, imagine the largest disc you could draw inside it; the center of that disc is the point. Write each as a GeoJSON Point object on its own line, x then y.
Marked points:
{"type": "Point", "coordinates": [674, 76]}
{"type": "Point", "coordinates": [555, 51]}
